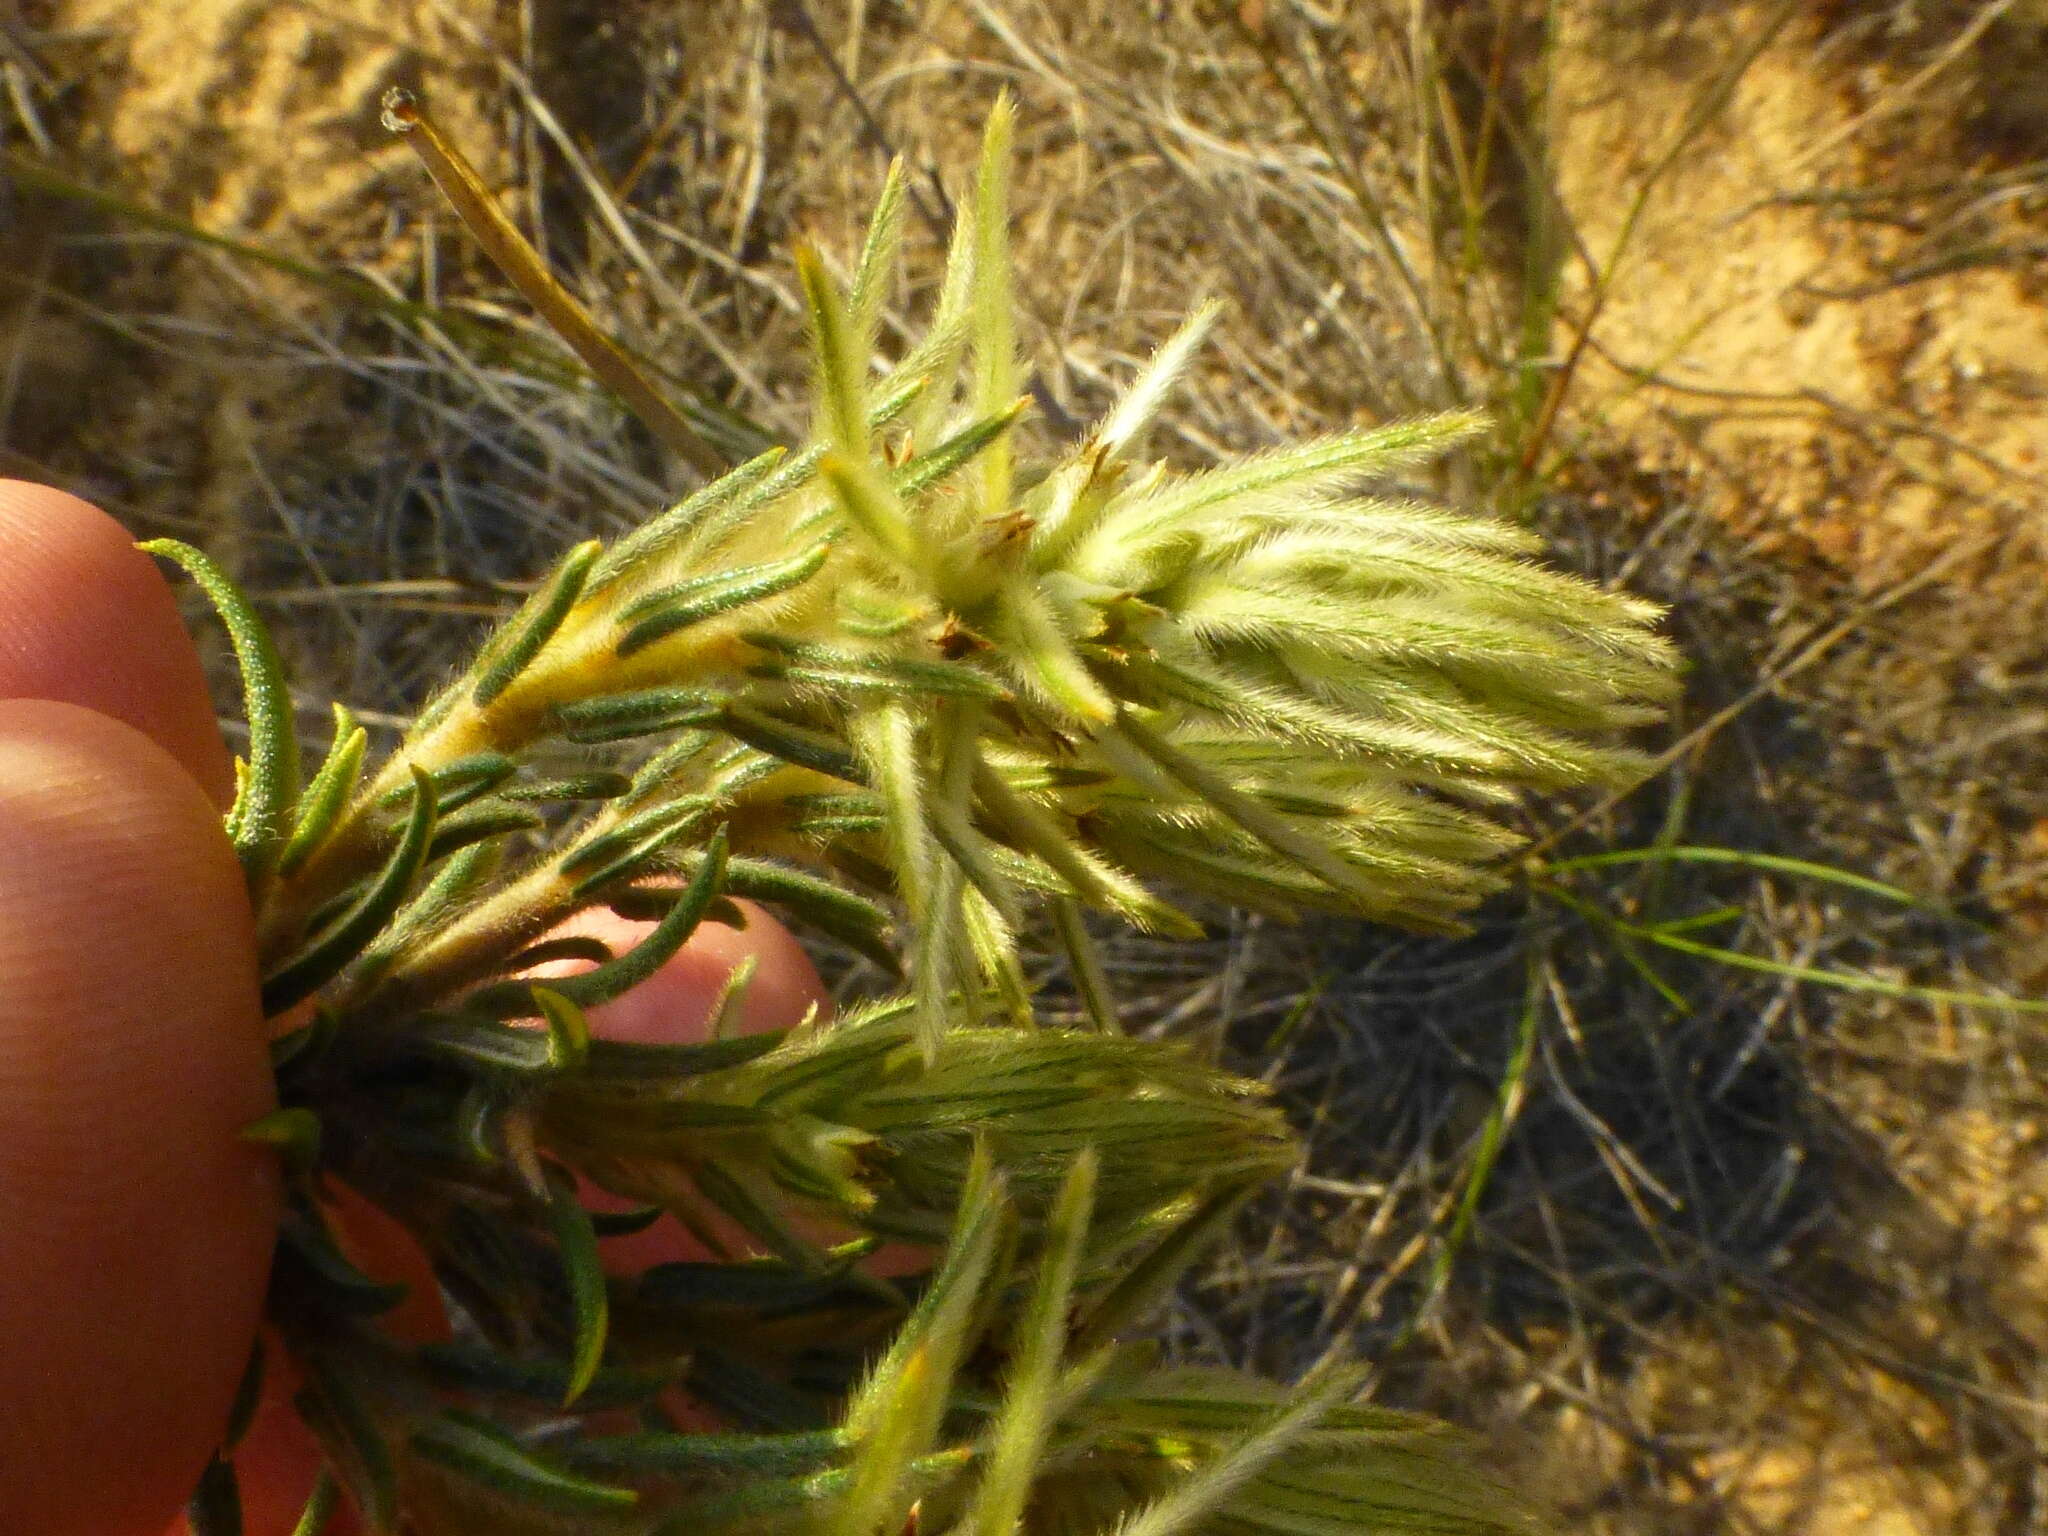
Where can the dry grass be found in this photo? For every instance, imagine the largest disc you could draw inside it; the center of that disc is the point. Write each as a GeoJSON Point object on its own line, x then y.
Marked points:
{"type": "Point", "coordinates": [1711, 1250]}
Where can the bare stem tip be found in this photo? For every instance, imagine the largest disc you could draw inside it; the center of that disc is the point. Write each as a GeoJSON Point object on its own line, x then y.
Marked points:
{"type": "Point", "coordinates": [401, 110]}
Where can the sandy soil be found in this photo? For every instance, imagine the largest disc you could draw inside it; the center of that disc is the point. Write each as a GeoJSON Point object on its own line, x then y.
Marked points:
{"type": "Point", "coordinates": [1834, 277]}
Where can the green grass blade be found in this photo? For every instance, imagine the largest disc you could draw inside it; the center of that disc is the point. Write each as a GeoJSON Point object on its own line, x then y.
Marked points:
{"type": "Point", "coordinates": [1847, 981]}
{"type": "Point", "coordinates": [1479, 1171]}
{"type": "Point", "coordinates": [1745, 858]}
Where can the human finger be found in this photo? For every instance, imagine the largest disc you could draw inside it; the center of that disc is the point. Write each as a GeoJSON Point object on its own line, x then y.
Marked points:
{"type": "Point", "coordinates": [137, 1226]}
{"type": "Point", "coordinates": [87, 619]}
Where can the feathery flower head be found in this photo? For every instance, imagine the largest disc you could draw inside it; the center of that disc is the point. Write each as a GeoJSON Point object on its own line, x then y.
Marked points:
{"type": "Point", "coordinates": [913, 661]}
{"type": "Point", "coordinates": [991, 679]}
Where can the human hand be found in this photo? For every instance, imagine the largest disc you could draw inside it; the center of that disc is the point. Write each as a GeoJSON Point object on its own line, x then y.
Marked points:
{"type": "Point", "coordinates": [135, 1227]}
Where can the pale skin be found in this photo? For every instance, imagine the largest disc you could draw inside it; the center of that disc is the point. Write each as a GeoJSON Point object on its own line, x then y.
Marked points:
{"type": "Point", "coordinates": [135, 1227]}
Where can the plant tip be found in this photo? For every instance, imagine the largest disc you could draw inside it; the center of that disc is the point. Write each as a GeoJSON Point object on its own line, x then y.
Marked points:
{"type": "Point", "coordinates": [401, 110]}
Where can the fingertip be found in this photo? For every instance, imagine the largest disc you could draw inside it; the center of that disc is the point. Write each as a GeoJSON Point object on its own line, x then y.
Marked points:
{"type": "Point", "coordinates": [138, 1226]}
{"type": "Point", "coordinates": [86, 618]}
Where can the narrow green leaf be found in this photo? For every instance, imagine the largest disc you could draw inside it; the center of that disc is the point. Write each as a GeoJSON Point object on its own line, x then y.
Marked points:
{"type": "Point", "coordinates": [215, 1508]}
{"type": "Point", "coordinates": [248, 1395]}
{"type": "Point", "coordinates": [896, 1413]}
{"type": "Point", "coordinates": [320, 1505]}
{"type": "Point", "coordinates": [240, 806]}
{"type": "Point", "coordinates": [482, 1453]}
{"type": "Point", "coordinates": [1084, 963]}
{"type": "Point", "coordinates": [695, 1455]}
{"type": "Point", "coordinates": [742, 1394]}
{"type": "Point", "coordinates": [576, 1242]}
{"type": "Point", "coordinates": [1146, 1283]}
{"type": "Point", "coordinates": [1846, 981]}
{"type": "Point", "coordinates": [295, 1132]}
{"type": "Point", "coordinates": [1745, 858]}
{"type": "Point", "coordinates": [478, 1041]}
{"type": "Point", "coordinates": [1319, 857]}
{"type": "Point", "coordinates": [1309, 468]}
{"type": "Point", "coordinates": [572, 946]}
{"type": "Point", "coordinates": [479, 1124]}
{"type": "Point", "coordinates": [877, 265]}
{"type": "Point", "coordinates": [625, 1223]}
{"type": "Point", "coordinates": [661, 614]}
{"type": "Point", "coordinates": [840, 363]}
{"type": "Point", "coordinates": [304, 1241]}
{"type": "Point", "coordinates": [568, 1029]}
{"type": "Point", "coordinates": [462, 874]}
{"type": "Point", "coordinates": [757, 1284]}
{"type": "Point", "coordinates": [722, 1019]}
{"type": "Point", "coordinates": [1198, 1498]}
{"type": "Point", "coordinates": [962, 448]}
{"type": "Point", "coordinates": [793, 743]}
{"type": "Point", "coordinates": [479, 824]}
{"type": "Point", "coordinates": [478, 1368]}
{"type": "Point", "coordinates": [637, 1061]}
{"type": "Point", "coordinates": [1017, 1439]}
{"type": "Point", "coordinates": [947, 1302]}
{"type": "Point", "coordinates": [1715, 918]}
{"type": "Point", "coordinates": [356, 1447]}
{"type": "Point", "coordinates": [535, 624]}
{"type": "Point", "coordinates": [872, 506]}
{"type": "Point", "coordinates": [1140, 402]}
{"type": "Point", "coordinates": [307, 1043]}
{"type": "Point", "coordinates": [991, 304]}
{"type": "Point", "coordinates": [640, 833]}
{"type": "Point", "coordinates": [663, 532]}
{"type": "Point", "coordinates": [1046, 656]}
{"type": "Point", "coordinates": [842, 671]}
{"type": "Point", "coordinates": [604, 784]}
{"type": "Point", "coordinates": [1034, 831]}
{"type": "Point", "coordinates": [761, 1220]}
{"type": "Point", "coordinates": [760, 1498]}
{"type": "Point", "coordinates": [940, 967]}
{"type": "Point", "coordinates": [620, 716]}
{"type": "Point", "coordinates": [887, 736]}
{"type": "Point", "coordinates": [323, 959]}
{"type": "Point", "coordinates": [263, 809]}
{"type": "Point", "coordinates": [619, 975]}
{"type": "Point", "coordinates": [319, 808]}
{"type": "Point", "coordinates": [458, 782]}
{"type": "Point", "coordinates": [839, 914]}
{"type": "Point", "coordinates": [1479, 1169]}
